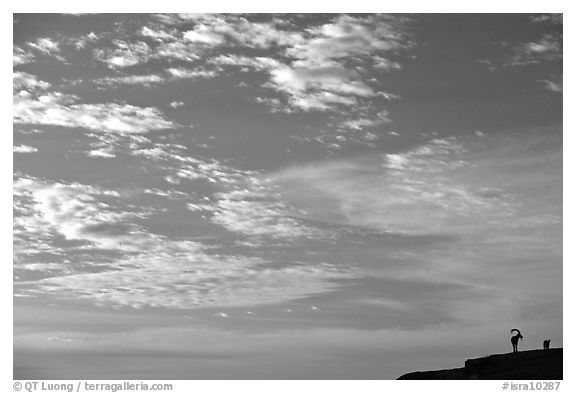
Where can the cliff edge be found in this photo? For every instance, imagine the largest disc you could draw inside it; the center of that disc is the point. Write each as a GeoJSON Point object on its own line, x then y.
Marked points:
{"type": "Point", "coordinates": [543, 364]}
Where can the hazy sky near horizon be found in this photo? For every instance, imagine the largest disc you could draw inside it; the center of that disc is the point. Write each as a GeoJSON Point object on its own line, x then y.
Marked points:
{"type": "Point", "coordinates": [316, 196]}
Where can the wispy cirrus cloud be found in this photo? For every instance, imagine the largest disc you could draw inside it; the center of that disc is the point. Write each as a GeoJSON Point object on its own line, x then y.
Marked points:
{"type": "Point", "coordinates": [146, 269]}
{"type": "Point", "coordinates": [241, 201]}
{"type": "Point", "coordinates": [185, 278]}
{"type": "Point", "coordinates": [429, 188]}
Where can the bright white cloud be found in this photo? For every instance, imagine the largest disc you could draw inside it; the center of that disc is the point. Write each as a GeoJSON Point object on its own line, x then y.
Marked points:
{"type": "Point", "coordinates": [186, 73]}
{"type": "Point", "coordinates": [124, 54]}
{"type": "Point", "coordinates": [25, 81]}
{"type": "Point", "coordinates": [21, 56]}
{"type": "Point", "coordinates": [349, 36]}
{"type": "Point", "coordinates": [315, 78]}
{"type": "Point", "coordinates": [203, 35]}
{"type": "Point", "coordinates": [547, 48]}
{"type": "Point", "coordinates": [217, 30]}
{"type": "Point", "coordinates": [24, 149]}
{"type": "Point", "coordinates": [63, 110]}
{"type": "Point", "coordinates": [141, 80]}
{"type": "Point", "coordinates": [77, 212]}
{"type": "Point", "coordinates": [46, 46]}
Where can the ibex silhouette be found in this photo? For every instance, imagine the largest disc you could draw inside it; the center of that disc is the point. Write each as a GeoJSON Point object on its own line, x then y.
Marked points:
{"type": "Point", "coordinates": [515, 339]}
{"type": "Point", "coordinates": [546, 344]}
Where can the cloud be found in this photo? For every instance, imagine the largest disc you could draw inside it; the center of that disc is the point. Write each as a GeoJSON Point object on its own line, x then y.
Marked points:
{"type": "Point", "coordinates": [217, 30]}
{"type": "Point", "coordinates": [171, 74]}
{"type": "Point", "coordinates": [244, 204]}
{"type": "Point", "coordinates": [348, 36]}
{"type": "Point", "coordinates": [178, 49]}
{"type": "Point", "coordinates": [102, 153]}
{"type": "Point", "coordinates": [332, 78]}
{"type": "Point", "coordinates": [72, 211]}
{"type": "Point", "coordinates": [21, 56]}
{"type": "Point", "coordinates": [24, 149]}
{"type": "Point", "coordinates": [124, 54]}
{"type": "Point", "coordinates": [186, 73]}
{"type": "Point", "coordinates": [444, 186]}
{"type": "Point", "coordinates": [140, 80]}
{"type": "Point", "coordinates": [555, 19]}
{"type": "Point", "coordinates": [46, 46]}
{"type": "Point", "coordinates": [359, 124]}
{"type": "Point", "coordinates": [255, 212]}
{"type": "Point", "coordinates": [307, 89]}
{"type": "Point", "coordinates": [547, 49]}
{"type": "Point", "coordinates": [554, 84]}
{"type": "Point", "coordinates": [151, 270]}
{"type": "Point", "coordinates": [315, 76]}
{"type": "Point", "coordinates": [25, 81]}
{"type": "Point", "coordinates": [187, 278]}
{"type": "Point", "coordinates": [58, 109]}
{"type": "Point", "coordinates": [108, 145]}
{"type": "Point", "coordinates": [156, 34]}
{"type": "Point", "coordinates": [203, 35]}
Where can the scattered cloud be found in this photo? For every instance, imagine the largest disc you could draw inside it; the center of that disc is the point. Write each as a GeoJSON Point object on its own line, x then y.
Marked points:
{"type": "Point", "coordinates": [314, 78]}
{"type": "Point", "coordinates": [33, 105]}
{"type": "Point", "coordinates": [59, 110]}
{"type": "Point", "coordinates": [186, 73]}
{"type": "Point", "coordinates": [46, 46]}
{"type": "Point", "coordinates": [20, 56]}
{"type": "Point", "coordinates": [140, 80]}
{"type": "Point", "coordinates": [152, 270]}
{"type": "Point", "coordinates": [350, 36]}
{"type": "Point", "coordinates": [123, 54]}
{"type": "Point", "coordinates": [255, 212]}
{"type": "Point", "coordinates": [553, 84]}
{"type": "Point", "coordinates": [555, 19]}
{"type": "Point", "coordinates": [23, 81]}
{"type": "Point", "coordinates": [187, 279]}
{"type": "Point", "coordinates": [73, 211]}
{"type": "Point", "coordinates": [547, 48]}
{"type": "Point", "coordinates": [359, 124]}
{"type": "Point", "coordinates": [24, 149]}
{"type": "Point", "coordinates": [203, 35]}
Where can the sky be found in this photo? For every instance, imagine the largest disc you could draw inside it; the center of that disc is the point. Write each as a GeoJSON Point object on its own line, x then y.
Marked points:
{"type": "Point", "coordinates": [283, 196]}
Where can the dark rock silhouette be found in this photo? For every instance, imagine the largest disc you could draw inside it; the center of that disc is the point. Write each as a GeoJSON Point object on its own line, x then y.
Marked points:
{"type": "Point", "coordinates": [533, 364]}
{"type": "Point", "coordinates": [546, 344]}
{"type": "Point", "coordinates": [515, 339]}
